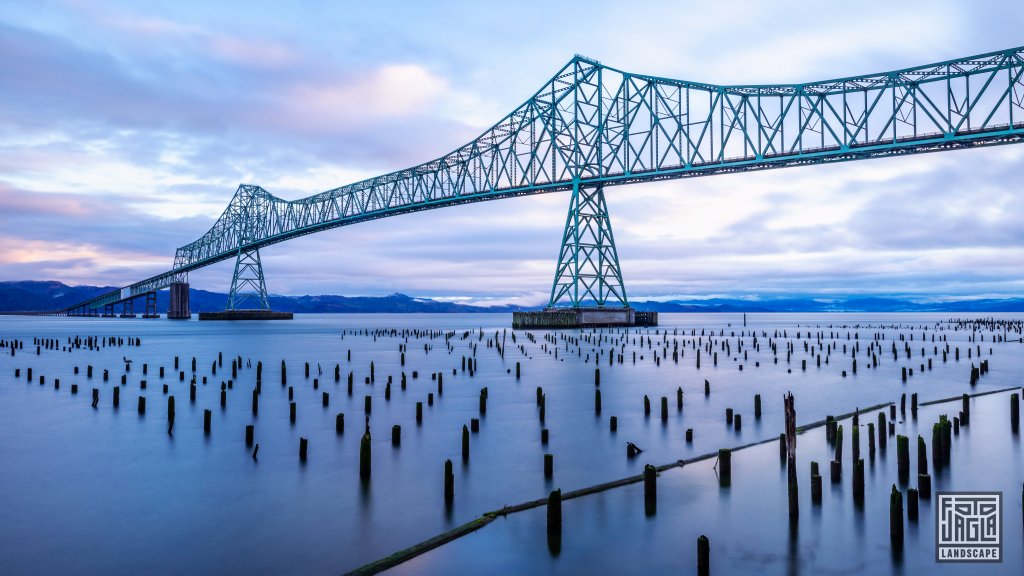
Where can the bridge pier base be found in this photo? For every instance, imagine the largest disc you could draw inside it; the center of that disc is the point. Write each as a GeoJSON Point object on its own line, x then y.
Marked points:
{"type": "Point", "coordinates": [128, 309]}
{"type": "Point", "coordinates": [178, 309]}
{"type": "Point", "coordinates": [108, 311]}
{"type": "Point", "coordinates": [586, 317]}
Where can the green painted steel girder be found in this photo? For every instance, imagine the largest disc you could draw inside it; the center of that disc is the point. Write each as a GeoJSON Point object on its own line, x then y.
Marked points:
{"type": "Point", "coordinates": [592, 125]}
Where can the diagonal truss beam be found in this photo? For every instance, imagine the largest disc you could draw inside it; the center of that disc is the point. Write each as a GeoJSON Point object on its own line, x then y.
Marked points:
{"type": "Point", "coordinates": [596, 126]}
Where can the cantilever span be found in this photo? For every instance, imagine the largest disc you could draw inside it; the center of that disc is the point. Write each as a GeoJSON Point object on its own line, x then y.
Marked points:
{"type": "Point", "coordinates": [592, 126]}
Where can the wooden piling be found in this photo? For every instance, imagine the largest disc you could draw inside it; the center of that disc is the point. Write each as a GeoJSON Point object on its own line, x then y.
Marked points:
{"type": "Point", "coordinates": [597, 401]}
{"type": "Point", "coordinates": [449, 482]}
{"type": "Point", "coordinates": [249, 434]}
{"type": "Point", "coordinates": [858, 481]}
{"type": "Point", "coordinates": [549, 465]}
{"type": "Point", "coordinates": [882, 435]}
{"type": "Point", "coordinates": [724, 467]}
{"type": "Point", "coordinates": [291, 412]}
{"type": "Point", "coordinates": [364, 456]}
{"type": "Point", "coordinates": [903, 458]}
{"type": "Point", "coordinates": [896, 514]}
{"type": "Point", "coordinates": [303, 444]}
{"type": "Point", "coordinates": [207, 417]}
{"type": "Point", "coordinates": [650, 490]}
{"type": "Point", "coordinates": [555, 513]}
{"type": "Point", "coordinates": [339, 423]}
{"type": "Point", "coordinates": [703, 556]}
{"type": "Point", "coordinates": [465, 443]}
{"type": "Point", "coordinates": [924, 486]}
{"type": "Point", "coordinates": [396, 435]}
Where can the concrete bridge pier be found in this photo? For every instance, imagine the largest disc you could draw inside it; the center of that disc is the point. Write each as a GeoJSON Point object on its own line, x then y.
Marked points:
{"type": "Point", "coordinates": [178, 309]}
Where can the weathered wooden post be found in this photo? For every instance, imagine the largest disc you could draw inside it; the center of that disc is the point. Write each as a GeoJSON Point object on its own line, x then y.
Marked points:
{"type": "Point", "coordinates": [650, 490]}
{"type": "Point", "coordinates": [703, 556]}
{"type": "Point", "coordinates": [396, 435]}
{"type": "Point", "coordinates": [724, 467]}
{"type": "Point", "coordinates": [883, 436]}
{"type": "Point", "coordinates": [465, 443]}
{"type": "Point", "coordinates": [364, 456]}
{"type": "Point", "coordinates": [903, 458]}
{"type": "Point", "coordinates": [207, 417]}
{"type": "Point", "coordinates": [793, 487]}
{"type": "Point", "coordinates": [555, 513]}
{"type": "Point", "coordinates": [757, 406]}
{"type": "Point", "coordinates": [449, 482]}
{"type": "Point", "coordinates": [249, 433]}
{"type": "Point", "coordinates": [339, 423]}
{"type": "Point", "coordinates": [549, 465]}
{"type": "Point", "coordinates": [924, 486]}
{"type": "Point", "coordinates": [896, 513]}
{"type": "Point", "coordinates": [303, 443]}
{"type": "Point", "coordinates": [597, 401]}
{"type": "Point", "coordinates": [1015, 412]}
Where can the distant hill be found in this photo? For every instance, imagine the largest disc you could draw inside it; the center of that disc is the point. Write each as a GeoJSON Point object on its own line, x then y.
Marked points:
{"type": "Point", "coordinates": [33, 296]}
{"type": "Point", "coordinates": [30, 296]}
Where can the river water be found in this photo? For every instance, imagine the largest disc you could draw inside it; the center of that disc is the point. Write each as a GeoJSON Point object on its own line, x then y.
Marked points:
{"type": "Point", "coordinates": [107, 490]}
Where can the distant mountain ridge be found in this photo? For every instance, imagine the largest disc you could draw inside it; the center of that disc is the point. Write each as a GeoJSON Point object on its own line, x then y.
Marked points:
{"type": "Point", "coordinates": [39, 296]}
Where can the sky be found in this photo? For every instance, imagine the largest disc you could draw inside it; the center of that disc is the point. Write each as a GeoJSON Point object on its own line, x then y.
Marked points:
{"type": "Point", "coordinates": [125, 128]}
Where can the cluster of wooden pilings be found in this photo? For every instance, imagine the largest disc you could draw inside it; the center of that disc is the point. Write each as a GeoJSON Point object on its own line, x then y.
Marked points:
{"type": "Point", "coordinates": [912, 350]}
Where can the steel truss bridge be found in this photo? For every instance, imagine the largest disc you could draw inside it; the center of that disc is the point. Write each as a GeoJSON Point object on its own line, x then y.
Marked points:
{"type": "Point", "coordinates": [592, 126]}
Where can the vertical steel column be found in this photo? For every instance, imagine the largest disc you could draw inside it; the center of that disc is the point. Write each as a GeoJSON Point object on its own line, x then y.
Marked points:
{"type": "Point", "coordinates": [151, 306]}
{"type": "Point", "coordinates": [588, 263]}
{"type": "Point", "coordinates": [248, 288]}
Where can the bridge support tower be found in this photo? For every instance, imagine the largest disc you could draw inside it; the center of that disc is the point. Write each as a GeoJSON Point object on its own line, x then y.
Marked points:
{"type": "Point", "coordinates": [588, 288]}
{"type": "Point", "coordinates": [248, 298]}
{"type": "Point", "coordinates": [128, 308]}
{"type": "Point", "coordinates": [151, 306]}
{"type": "Point", "coordinates": [178, 310]}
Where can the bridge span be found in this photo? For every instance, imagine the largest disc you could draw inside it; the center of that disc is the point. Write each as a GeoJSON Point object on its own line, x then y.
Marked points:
{"type": "Point", "coordinates": [592, 126]}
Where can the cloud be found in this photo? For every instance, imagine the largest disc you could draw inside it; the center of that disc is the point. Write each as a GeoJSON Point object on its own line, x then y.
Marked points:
{"type": "Point", "coordinates": [124, 134]}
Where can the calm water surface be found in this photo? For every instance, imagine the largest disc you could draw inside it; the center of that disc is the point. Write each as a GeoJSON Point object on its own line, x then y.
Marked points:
{"type": "Point", "coordinates": [109, 491]}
